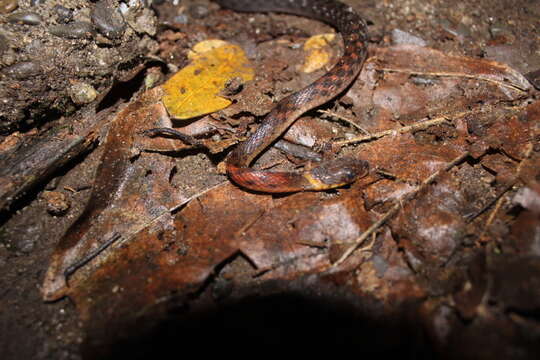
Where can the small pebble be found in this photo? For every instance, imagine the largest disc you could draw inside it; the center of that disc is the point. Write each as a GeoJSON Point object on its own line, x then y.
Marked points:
{"type": "Point", "coordinates": [23, 70]}
{"type": "Point", "coordinates": [402, 37]}
{"type": "Point", "coordinates": [423, 80]}
{"type": "Point", "coordinates": [151, 79]}
{"type": "Point", "coordinates": [108, 20]}
{"type": "Point", "coordinates": [233, 86]}
{"type": "Point", "coordinates": [4, 44]}
{"type": "Point", "coordinates": [35, 47]}
{"type": "Point", "coordinates": [25, 18]}
{"type": "Point", "coordinates": [7, 6]}
{"type": "Point", "coordinates": [144, 22]}
{"type": "Point", "coordinates": [74, 30]}
{"type": "Point", "coordinates": [53, 183]}
{"type": "Point", "coordinates": [180, 19]}
{"type": "Point", "coordinates": [499, 29]}
{"type": "Point", "coordinates": [458, 32]}
{"type": "Point", "coordinates": [198, 11]}
{"type": "Point", "coordinates": [57, 202]}
{"type": "Point", "coordinates": [82, 93]}
{"type": "Point", "coordinates": [25, 244]}
{"type": "Point", "coordinates": [37, 2]}
{"type": "Point", "coordinates": [64, 15]}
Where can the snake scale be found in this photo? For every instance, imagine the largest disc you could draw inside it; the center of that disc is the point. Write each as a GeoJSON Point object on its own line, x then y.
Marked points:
{"type": "Point", "coordinates": [329, 174]}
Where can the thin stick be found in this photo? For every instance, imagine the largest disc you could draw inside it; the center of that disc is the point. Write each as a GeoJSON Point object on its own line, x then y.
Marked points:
{"type": "Point", "coordinates": [199, 194]}
{"type": "Point", "coordinates": [402, 130]}
{"type": "Point", "coordinates": [396, 208]}
{"type": "Point", "coordinates": [91, 255]}
{"type": "Point", "coordinates": [346, 119]}
{"type": "Point", "coordinates": [455, 74]}
{"type": "Point", "coordinates": [165, 212]}
{"type": "Point", "coordinates": [188, 139]}
{"type": "Point", "coordinates": [500, 198]}
{"type": "Point", "coordinates": [497, 200]}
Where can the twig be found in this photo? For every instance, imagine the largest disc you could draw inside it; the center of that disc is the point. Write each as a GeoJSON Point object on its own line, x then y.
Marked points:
{"type": "Point", "coordinates": [396, 208]}
{"type": "Point", "coordinates": [346, 119]}
{"type": "Point", "coordinates": [165, 212]}
{"type": "Point", "coordinates": [199, 194]}
{"type": "Point", "coordinates": [402, 130]}
{"type": "Point", "coordinates": [250, 223]}
{"type": "Point", "coordinates": [499, 199]}
{"type": "Point", "coordinates": [455, 75]}
{"type": "Point", "coordinates": [80, 263]}
{"type": "Point", "coordinates": [188, 139]}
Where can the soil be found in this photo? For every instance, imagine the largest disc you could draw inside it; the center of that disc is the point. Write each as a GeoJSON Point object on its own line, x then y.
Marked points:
{"type": "Point", "coordinates": [111, 65]}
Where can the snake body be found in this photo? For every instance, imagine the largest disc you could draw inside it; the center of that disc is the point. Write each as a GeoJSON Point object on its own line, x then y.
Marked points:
{"type": "Point", "coordinates": [327, 175]}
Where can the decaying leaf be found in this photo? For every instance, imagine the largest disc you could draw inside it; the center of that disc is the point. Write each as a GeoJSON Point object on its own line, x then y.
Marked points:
{"type": "Point", "coordinates": [279, 241]}
{"type": "Point", "coordinates": [194, 90]}
{"type": "Point", "coordinates": [127, 196]}
{"type": "Point", "coordinates": [419, 111]}
{"type": "Point", "coordinates": [414, 59]}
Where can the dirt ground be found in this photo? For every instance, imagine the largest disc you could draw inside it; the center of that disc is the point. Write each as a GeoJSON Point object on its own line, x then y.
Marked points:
{"type": "Point", "coordinates": [56, 75]}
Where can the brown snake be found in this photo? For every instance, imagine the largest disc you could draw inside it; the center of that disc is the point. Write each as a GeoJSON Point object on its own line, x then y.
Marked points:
{"type": "Point", "coordinates": [329, 174]}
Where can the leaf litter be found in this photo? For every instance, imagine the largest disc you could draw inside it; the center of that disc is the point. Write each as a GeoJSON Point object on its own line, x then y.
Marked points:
{"type": "Point", "coordinates": [445, 135]}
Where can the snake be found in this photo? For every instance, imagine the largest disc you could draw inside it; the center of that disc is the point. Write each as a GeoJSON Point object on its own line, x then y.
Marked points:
{"type": "Point", "coordinates": [328, 174]}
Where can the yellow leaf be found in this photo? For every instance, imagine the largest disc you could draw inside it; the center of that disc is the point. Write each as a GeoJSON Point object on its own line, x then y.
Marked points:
{"type": "Point", "coordinates": [205, 46]}
{"type": "Point", "coordinates": [193, 91]}
{"type": "Point", "coordinates": [318, 52]}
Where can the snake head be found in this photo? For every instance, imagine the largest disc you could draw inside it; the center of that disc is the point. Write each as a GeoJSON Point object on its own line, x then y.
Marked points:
{"type": "Point", "coordinates": [337, 172]}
